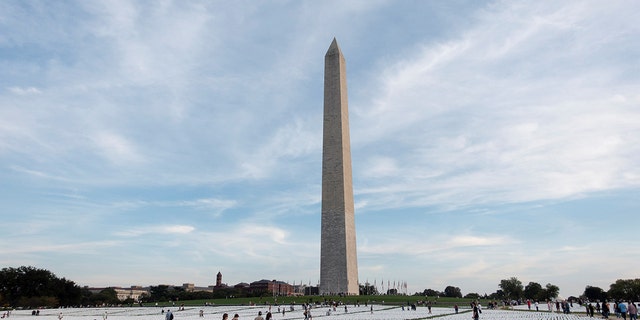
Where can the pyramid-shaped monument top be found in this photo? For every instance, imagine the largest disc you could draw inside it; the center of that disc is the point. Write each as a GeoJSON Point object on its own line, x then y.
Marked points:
{"type": "Point", "coordinates": [334, 48]}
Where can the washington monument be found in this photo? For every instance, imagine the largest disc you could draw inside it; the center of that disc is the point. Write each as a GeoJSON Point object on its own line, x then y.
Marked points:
{"type": "Point", "coordinates": [338, 259]}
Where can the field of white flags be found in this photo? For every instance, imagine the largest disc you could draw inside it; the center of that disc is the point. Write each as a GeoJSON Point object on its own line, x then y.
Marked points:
{"type": "Point", "coordinates": [379, 312]}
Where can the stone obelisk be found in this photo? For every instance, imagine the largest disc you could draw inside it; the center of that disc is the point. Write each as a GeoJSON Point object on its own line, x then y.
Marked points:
{"type": "Point", "coordinates": [338, 259]}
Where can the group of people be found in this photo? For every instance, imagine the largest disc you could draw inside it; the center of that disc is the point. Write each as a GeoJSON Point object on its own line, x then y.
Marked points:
{"type": "Point", "coordinates": [226, 317]}
{"type": "Point", "coordinates": [620, 309]}
{"type": "Point", "coordinates": [259, 317]}
{"type": "Point", "coordinates": [269, 316]}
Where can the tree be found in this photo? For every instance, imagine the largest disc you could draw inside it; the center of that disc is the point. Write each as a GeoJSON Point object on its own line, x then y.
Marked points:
{"type": "Point", "coordinates": [595, 293]}
{"type": "Point", "coordinates": [536, 292]}
{"type": "Point", "coordinates": [368, 289]}
{"type": "Point", "coordinates": [431, 293]}
{"type": "Point", "coordinates": [472, 295]}
{"type": "Point", "coordinates": [107, 296]}
{"type": "Point", "coordinates": [550, 292]}
{"type": "Point", "coordinates": [498, 295]}
{"type": "Point", "coordinates": [32, 287]}
{"type": "Point", "coordinates": [69, 293]}
{"type": "Point", "coordinates": [512, 288]}
{"type": "Point", "coordinates": [85, 295]}
{"type": "Point", "coordinates": [159, 293]}
{"type": "Point", "coordinates": [227, 292]}
{"type": "Point", "coordinates": [625, 290]}
{"type": "Point", "coordinates": [532, 291]}
{"type": "Point", "coordinates": [452, 292]}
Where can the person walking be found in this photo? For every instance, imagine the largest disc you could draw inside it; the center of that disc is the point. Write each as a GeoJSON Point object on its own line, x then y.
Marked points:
{"type": "Point", "coordinates": [605, 310]}
{"type": "Point", "coordinates": [633, 311]}
{"type": "Point", "coordinates": [623, 310]}
{"type": "Point", "coordinates": [476, 311]}
{"type": "Point", "coordinates": [169, 315]}
{"type": "Point", "coordinates": [616, 308]}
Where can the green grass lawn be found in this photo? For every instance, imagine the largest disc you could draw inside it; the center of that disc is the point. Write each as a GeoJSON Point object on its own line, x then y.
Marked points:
{"type": "Point", "coordinates": [350, 300]}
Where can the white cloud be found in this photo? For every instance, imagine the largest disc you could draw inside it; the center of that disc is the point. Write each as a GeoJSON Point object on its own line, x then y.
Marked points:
{"type": "Point", "coordinates": [381, 167]}
{"type": "Point", "coordinates": [25, 91]}
{"type": "Point", "coordinates": [214, 205]}
{"type": "Point", "coordinates": [117, 149]}
{"type": "Point", "coordinates": [438, 243]}
{"type": "Point", "coordinates": [468, 241]}
{"type": "Point", "coordinates": [477, 119]}
{"type": "Point", "coordinates": [87, 247]}
{"type": "Point", "coordinates": [217, 205]}
{"type": "Point", "coordinates": [178, 229]}
{"type": "Point", "coordinates": [156, 230]}
{"type": "Point", "coordinates": [291, 141]}
{"type": "Point", "coordinates": [35, 173]}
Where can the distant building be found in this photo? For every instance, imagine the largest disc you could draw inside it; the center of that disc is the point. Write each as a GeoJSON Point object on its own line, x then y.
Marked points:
{"type": "Point", "coordinates": [242, 286]}
{"type": "Point", "coordinates": [134, 292]}
{"type": "Point", "coordinates": [219, 279]}
{"type": "Point", "coordinates": [256, 288]}
{"type": "Point", "coordinates": [219, 283]}
{"type": "Point", "coordinates": [279, 288]}
{"type": "Point", "coordinates": [298, 289]}
{"type": "Point", "coordinates": [190, 287]}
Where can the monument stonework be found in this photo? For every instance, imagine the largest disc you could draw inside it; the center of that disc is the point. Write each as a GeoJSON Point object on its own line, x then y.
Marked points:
{"type": "Point", "coordinates": [338, 258]}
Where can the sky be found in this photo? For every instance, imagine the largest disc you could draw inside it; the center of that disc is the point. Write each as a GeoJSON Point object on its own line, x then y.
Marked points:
{"type": "Point", "coordinates": [162, 142]}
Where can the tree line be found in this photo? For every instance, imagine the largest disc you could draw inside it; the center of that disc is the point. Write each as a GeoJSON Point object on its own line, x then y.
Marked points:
{"type": "Point", "coordinates": [621, 290]}
{"type": "Point", "coordinates": [30, 287]}
{"type": "Point", "coordinates": [512, 289]}
{"type": "Point", "coordinates": [27, 286]}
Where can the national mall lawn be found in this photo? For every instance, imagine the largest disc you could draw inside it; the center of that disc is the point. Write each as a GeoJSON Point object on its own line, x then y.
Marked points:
{"type": "Point", "coordinates": [349, 300]}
